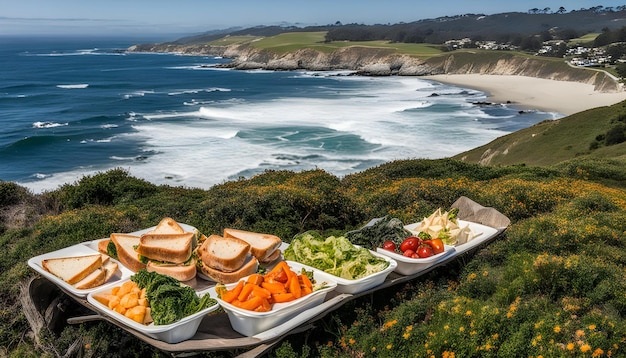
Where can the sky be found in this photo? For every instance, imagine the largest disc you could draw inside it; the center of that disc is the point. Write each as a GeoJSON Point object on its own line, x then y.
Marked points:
{"type": "Point", "coordinates": [185, 17]}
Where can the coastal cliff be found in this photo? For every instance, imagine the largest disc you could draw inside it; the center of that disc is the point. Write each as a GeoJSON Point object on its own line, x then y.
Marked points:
{"type": "Point", "coordinates": [372, 61]}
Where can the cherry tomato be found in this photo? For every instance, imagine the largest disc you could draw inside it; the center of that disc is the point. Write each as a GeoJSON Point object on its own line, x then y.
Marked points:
{"type": "Point", "coordinates": [389, 245]}
{"type": "Point", "coordinates": [436, 245]}
{"type": "Point", "coordinates": [425, 251]}
{"type": "Point", "coordinates": [409, 253]}
{"type": "Point", "coordinates": [410, 243]}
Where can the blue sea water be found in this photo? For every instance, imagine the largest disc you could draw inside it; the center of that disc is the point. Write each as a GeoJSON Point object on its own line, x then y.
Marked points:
{"type": "Point", "coordinates": [71, 107]}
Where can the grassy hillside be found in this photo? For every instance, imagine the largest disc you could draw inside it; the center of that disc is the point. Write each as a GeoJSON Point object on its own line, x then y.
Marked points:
{"type": "Point", "coordinates": [552, 286]}
{"type": "Point", "coordinates": [582, 135]}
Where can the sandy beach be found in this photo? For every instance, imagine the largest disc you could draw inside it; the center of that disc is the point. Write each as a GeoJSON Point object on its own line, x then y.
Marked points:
{"type": "Point", "coordinates": [535, 93]}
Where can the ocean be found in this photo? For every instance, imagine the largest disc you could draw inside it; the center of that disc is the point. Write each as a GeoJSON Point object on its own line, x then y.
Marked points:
{"type": "Point", "coordinates": [71, 107]}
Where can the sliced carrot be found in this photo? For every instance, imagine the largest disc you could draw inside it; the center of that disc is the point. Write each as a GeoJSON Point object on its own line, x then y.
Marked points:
{"type": "Point", "coordinates": [294, 287]}
{"type": "Point", "coordinates": [306, 282]}
{"type": "Point", "coordinates": [283, 297]}
{"type": "Point", "coordinates": [245, 292]}
{"type": "Point", "coordinates": [251, 304]}
{"type": "Point", "coordinates": [255, 279]}
{"type": "Point", "coordinates": [261, 292]}
{"type": "Point", "coordinates": [281, 265]}
{"type": "Point", "coordinates": [264, 307]}
{"type": "Point", "coordinates": [306, 290]}
{"type": "Point", "coordinates": [274, 287]}
{"type": "Point", "coordinates": [230, 295]}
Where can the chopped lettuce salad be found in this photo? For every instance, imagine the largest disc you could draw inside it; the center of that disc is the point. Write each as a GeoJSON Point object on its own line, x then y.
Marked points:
{"type": "Point", "coordinates": [334, 255]}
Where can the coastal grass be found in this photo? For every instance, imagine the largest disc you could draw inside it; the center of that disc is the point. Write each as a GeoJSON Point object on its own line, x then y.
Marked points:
{"type": "Point", "coordinates": [582, 135]}
{"type": "Point", "coordinates": [552, 285]}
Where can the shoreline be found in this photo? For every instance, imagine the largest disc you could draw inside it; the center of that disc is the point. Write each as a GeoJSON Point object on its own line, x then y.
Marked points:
{"type": "Point", "coordinates": [564, 97]}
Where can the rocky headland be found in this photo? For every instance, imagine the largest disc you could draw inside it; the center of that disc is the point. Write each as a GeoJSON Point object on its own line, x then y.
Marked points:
{"type": "Point", "coordinates": [371, 61]}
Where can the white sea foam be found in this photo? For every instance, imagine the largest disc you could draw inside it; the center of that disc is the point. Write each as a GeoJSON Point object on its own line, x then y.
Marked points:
{"type": "Point", "coordinates": [48, 124]}
{"type": "Point", "coordinates": [74, 86]}
{"type": "Point", "coordinates": [376, 121]}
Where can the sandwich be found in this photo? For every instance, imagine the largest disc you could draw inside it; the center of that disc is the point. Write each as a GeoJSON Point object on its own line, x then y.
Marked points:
{"type": "Point", "coordinates": [265, 247]}
{"type": "Point", "coordinates": [167, 249]}
{"type": "Point", "coordinates": [226, 260]}
{"type": "Point", "coordinates": [83, 272]}
{"type": "Point", "coordinates": [168, 254]}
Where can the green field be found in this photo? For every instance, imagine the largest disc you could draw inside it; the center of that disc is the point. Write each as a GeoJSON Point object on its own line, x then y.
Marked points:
{"type": "Point", "coordinates": [292, 41]}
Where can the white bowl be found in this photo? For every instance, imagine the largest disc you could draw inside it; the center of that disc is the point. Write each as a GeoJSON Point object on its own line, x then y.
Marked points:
{"type": "Point", "coordinates": [409, 266]}
{"type": "Point", "coordinates": [250, 323]}
{"type": "Point", "coordinates": [170, 333]}
{"type": "Point", "coordinates": [367, 282]}
{"type": "Point", "coordinates": [72, 251]}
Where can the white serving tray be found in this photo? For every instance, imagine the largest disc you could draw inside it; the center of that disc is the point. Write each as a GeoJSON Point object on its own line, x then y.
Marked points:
{"type": "Point", "coordinates": [250, 323]}
{"type": "Point", "coordinates": [409, 266]}
{"type": "Point", "coordinates": [170, 333]}
{"type": "Point", "coordinates": [73, 251]}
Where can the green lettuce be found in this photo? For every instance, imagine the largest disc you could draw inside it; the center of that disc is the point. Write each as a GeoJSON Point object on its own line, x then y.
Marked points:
{"type": "Point", "coordinates": [334, 255]}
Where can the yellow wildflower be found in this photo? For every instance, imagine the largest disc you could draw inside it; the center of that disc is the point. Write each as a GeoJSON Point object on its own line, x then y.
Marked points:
{"type": "Point", "coordinates": [570, 346]}
{"type": "Point", "coordinates": [352, 341]}
{"type": "Point", "coordinates": [468, 313]}
{"type": "Point", "coordinates": [598, 352]}
{"type": "Point", "coordinates": [557, 329]}
{"type": "Point", "coordinates": [389, 346]}
{"type": "Point", "coordinates": [580, 333]}
{"type": "Point", "coordinates": [585, 348]}
{"type": "Point", "coordinates": [592, 327]}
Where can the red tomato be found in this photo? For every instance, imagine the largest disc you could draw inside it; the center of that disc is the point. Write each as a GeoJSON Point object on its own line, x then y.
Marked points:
{"type": "Point", "coordinates": [436, 245]}
{"type": "Point", "coordinates": [409, 253]}
{"type": "Point", "coordinates": [425, 251]}
{"type": "Point", "coordinates": [410, 243]}
{"type": "Point", "coordinates": [389, 245]}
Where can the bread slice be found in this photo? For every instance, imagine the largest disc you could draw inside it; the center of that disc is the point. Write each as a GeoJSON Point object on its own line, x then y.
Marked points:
{"type": "Point", "coordinates": [102, 246]}
{"type": "Point", "coordinates": [181, 272]}
{"type": "Point", "coordinates": [261, 245]}
{"type": "Point", "coordinates": [250, 266]}
{"type": "Point", "coordinates": [168, 226]}
{"type": "Point", "coordinates": [126, 253]}
{"type": "Point", "coordinates": [224, 254]}
{"type": "Point", "coordinates": [94, 279]}
{"type": "Point", "coordinates": [72, 269]}
{"type": "Point", "coordinates": [272, 257]}
{"type": "Point", "coordinates": [110, 267]}
{"type": "Point", "coordinates": [174, 248]}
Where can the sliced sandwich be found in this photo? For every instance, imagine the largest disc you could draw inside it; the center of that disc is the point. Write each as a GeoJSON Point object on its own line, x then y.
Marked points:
{"type": "Point", "coordinates": [265, 247]}
{"type": "Point", "coordinates": [226, 260]}
{"type": "Point", "coordinates": [125, 251]}
{"type": "Point", "coordinates": [169, 250]}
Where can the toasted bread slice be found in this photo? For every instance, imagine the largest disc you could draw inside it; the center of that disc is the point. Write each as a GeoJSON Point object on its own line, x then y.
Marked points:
{"type": "Point", "coordinates": [94, 279]}
{"type": "Point", "coordinates": [224, 254]}
{"type": "Point", "coordinates": [250, 266]}
{"type": "Point", "coordinates": [261, 245]}
{"type": "Point", "coordinates": [181, 272]}
{"type": "Point", "coordinates": [126, 253]}
{"type": "Point", "coordinates": [72, 269]}
{"type": "Point", "coordinates": [174, 248]}
{"type": "Point", "coordinates": [168, 226]}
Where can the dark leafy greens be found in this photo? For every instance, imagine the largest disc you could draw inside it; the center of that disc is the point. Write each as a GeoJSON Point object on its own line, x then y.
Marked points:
{"type": "Point", "coordinates": [373, 236]}
{"type": "Point", "coordinates": [169, 300]}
